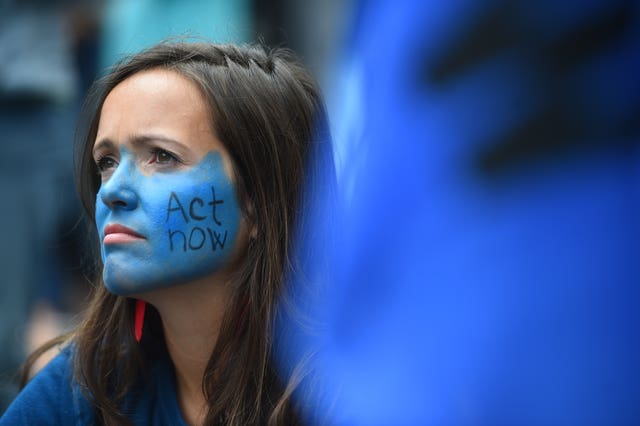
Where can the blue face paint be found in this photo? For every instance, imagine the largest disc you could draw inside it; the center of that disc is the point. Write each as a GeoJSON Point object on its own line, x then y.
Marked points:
{"type": "Point", "coordinates": [188, 221]}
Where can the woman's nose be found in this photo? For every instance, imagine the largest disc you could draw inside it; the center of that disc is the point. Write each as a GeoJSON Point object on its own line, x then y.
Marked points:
{"type": "Point", "coordinates": [118, 192]}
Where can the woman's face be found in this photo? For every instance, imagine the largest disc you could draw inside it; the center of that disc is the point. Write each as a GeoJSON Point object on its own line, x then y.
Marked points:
{"type": "Point", "coordinates": [166, 211]}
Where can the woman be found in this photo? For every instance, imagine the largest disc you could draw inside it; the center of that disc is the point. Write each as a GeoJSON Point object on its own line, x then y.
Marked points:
{"type": "Point", "coordinates": [197, 165]}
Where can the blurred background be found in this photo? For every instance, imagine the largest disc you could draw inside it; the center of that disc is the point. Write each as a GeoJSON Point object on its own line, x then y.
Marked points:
{"type": "Point", "coordinates": [488, 162]}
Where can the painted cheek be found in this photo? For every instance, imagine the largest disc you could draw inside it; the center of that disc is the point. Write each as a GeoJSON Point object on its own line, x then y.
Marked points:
{"type": "Point", "coordinates": [190, 220]}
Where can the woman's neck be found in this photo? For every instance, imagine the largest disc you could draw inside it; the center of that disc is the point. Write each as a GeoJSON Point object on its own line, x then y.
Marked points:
{"type": "Point", "coordinates": [191, 319]}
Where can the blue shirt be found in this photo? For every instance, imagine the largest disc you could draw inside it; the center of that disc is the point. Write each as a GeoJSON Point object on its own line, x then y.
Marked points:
{"type": "Point", "coordinates": [54, 398]}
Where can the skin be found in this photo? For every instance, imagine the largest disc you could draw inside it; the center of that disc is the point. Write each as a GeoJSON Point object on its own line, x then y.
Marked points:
{"type": "Point", "coordinates": [167, 112]}
{"type": "Point", "coordinates": [160, 230]}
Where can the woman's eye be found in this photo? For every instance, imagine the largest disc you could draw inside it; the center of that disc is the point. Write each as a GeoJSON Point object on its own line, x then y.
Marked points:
{"type": "Point", "coordinates": [161, 156]}
{"type": "Point", "coordinates": [105, 163]}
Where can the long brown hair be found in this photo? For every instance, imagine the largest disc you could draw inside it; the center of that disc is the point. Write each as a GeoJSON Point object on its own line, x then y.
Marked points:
{"type": "Point", "coordinates": [267, 111]}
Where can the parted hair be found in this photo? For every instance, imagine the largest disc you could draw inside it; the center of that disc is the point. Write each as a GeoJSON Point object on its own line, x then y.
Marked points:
{"type": "Point", "coordinates": [267, 111]}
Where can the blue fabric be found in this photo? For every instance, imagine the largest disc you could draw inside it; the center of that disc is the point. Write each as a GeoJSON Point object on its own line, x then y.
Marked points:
{"type": "Point", "coordinates": [54, 398]}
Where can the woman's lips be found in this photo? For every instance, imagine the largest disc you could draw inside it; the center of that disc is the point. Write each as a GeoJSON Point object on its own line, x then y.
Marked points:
{"type": "Point", "coordinates": [118, 234]}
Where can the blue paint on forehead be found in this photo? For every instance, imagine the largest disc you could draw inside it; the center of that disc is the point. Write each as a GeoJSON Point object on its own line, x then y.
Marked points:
{"type": "Point", "coordinates": [190, 220]}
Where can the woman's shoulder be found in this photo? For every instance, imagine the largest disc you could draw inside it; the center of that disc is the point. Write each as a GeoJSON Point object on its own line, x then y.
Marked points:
{"type": "Point", "coordinates": [52, 397]}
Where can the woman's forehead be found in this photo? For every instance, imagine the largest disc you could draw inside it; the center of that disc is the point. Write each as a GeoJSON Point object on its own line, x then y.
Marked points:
{"type": "Point", "coordinates": [157, 101]}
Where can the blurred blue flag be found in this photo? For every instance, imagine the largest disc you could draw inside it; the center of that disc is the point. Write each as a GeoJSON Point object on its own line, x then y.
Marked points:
{"type": "Point", "coordinates": [487, 270]}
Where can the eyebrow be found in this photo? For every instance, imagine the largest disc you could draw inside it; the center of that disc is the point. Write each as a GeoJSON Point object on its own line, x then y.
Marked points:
{"type": "Point", "coordinates": [103, 144]}
{"type": "Point", "coordinates": [136, 140]}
